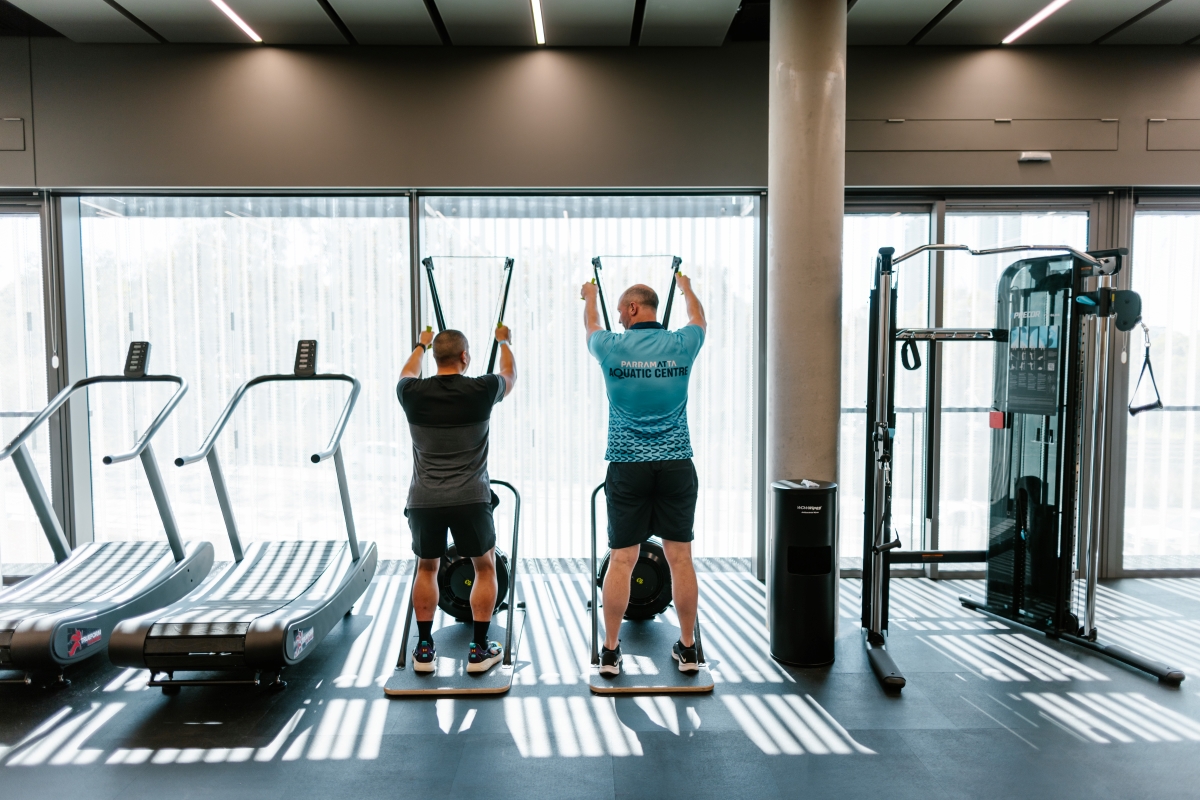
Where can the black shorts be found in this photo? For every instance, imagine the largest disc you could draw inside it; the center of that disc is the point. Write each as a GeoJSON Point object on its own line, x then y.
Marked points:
{"type": "Point", "coordinates": [471, 526]}
{"type": "Point", "coordinates": [650, 498]}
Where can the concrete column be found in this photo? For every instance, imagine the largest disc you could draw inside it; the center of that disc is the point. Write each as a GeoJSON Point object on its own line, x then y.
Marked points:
{"type": "Point", "coordinates": [806, 183]}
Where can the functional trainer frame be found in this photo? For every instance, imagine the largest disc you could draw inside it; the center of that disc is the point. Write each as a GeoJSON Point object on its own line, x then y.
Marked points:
{"type": "Point", "coordinates": [1066, 399]}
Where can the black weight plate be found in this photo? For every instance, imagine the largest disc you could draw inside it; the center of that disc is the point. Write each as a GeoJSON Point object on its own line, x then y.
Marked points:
{"type": "Point", "coordinates": [455, 578]}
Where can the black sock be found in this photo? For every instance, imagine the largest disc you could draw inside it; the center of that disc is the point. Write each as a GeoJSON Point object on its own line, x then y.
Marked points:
{"type": "Point", "coordinates": [481, 632]}
{"type": "Point", "coordinates": [425, 631]}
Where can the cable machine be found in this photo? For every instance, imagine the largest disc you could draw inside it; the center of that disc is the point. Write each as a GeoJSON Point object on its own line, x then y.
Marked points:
{"type": "Point", "coordinates": [1040, 411]}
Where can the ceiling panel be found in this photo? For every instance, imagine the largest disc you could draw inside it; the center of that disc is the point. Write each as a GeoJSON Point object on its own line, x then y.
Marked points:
{"type": "Point", "coordinates": [186, 20]}
{"type": "Point", "coordinates": [687, 22]}
{"type": "Point", "coordinates": [85, 20]}
{"type": "Point", "coordinates": [489, 22]}
{"type": "Point", "coordinates": [387, 21]}
{"type": "Point", "coordinates": [1084, 21]}
{"type": "Point", "coordinates": [983, 21]}
{"type": "Point", "coordinates": [288, 21]}
{"type": "Point", "coordinates": [890, 21]}
{"type": "Point", "coordinates": [1174, 23]}
{"type": "Point", "coordinates": [587, 22]}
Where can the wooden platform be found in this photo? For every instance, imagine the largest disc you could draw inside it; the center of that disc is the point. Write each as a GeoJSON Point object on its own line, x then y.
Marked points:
{"type": "Point", "coordinates": [451, 677]}
{"type": "Point", "coordinates": [647, 666]}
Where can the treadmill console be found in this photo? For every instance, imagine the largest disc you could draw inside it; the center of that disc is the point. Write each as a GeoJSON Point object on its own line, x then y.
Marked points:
{"type": "Point", "coordinates": [306, 358]}
{"type": "Point", "coordinates": [135, 361]}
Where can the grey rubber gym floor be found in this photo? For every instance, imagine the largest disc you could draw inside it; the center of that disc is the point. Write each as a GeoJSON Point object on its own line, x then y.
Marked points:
{"type": "Point", "coordinates": [988, 712]}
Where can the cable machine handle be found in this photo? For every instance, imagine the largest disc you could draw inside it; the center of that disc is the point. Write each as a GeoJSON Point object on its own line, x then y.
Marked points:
{"type": "Point", "coordinates": [508, 267]}
{"type": "Point", "coordinates": [1147, 367]}
{"type": "Point", "coordinates": [676, 262]}
{"type": "Point", "coordinates": [433, 294]}
{"type": "Point", "coordinates": [600, 292]}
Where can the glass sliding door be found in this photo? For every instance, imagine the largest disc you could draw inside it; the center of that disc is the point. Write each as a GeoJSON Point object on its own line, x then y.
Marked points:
{"type": "Point", "coordinates": [1162, 466]}
{"type": "Point", "coordinates": [969, 301]}
{"type": "Point", "coordinates": [863, 234]}
{"type": "Point", "coordinates": [23, 384]}
{"type": "Point", "coordinates": [222, 288]}
{"type": "Point", "coordinates": [548, 437]}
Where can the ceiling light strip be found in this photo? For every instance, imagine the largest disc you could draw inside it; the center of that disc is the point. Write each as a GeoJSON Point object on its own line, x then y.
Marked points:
{"type": "Point", "coordinates": [539, 31]}
{"type": "Point", "coordinates": [1034, 20]}
{"type": "Point", "coordinates": [229, 12]}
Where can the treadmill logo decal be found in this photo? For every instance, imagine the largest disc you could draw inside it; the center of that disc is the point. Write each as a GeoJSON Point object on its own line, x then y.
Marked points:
{"type": "Point", "coordinates": [82, 639]}
{"type": "Point", "coordinates": [302, 640]}
{"type": "Point", "coordinates": [809, 509]}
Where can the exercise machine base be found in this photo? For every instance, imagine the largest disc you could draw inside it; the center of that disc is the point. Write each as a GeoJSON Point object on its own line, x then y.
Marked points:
{"type": "Point", "coordinates": [886, 672]}
{"type": "Point", "coordinates": [647, 666]}
{"type": "Point", "coordinates": [451, 677]}
{"type": "Point", "coordinates": [1165, 674]}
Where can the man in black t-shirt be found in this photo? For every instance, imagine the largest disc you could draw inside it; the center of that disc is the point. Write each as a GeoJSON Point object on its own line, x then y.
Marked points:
{"type": "Point", "coordinates": [448, 415]}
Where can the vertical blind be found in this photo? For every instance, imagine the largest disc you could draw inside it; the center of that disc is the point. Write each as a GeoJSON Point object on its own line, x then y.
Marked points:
{"type": "Point", "coordinates": [22, 382]}
{"type": "Point", "coordinates": [548, 437]}
{"type": "Point", "coordinates": [1162, 472]}
{"type": "Point", "coordinates": [223, 288]}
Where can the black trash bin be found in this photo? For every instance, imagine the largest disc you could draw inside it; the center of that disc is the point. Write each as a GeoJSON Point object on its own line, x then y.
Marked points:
{"type": "Point", "coordinates": [802, 586]}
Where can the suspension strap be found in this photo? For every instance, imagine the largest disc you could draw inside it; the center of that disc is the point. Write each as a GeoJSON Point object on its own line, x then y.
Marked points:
{"type": "Point", "coordinates": [1147, 369]}
{"type": "Point", "coordinates": [910, 347]}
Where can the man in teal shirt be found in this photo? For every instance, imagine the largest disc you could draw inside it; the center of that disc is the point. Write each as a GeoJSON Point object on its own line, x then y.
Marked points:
{"type": "Point", "coordinates": [651, 486]}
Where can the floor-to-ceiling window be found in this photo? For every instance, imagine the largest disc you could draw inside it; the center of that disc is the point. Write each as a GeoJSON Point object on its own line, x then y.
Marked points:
{"type": "Point", "coordinates": [1162, 456]}
{"type": "Point", "coordinates": [957, 517]}
{"type": "Point", "coordinates": [549, 436]}
{"type": "Point", "coordinates": [865, 231]}
{"type": "Point", "coordinates": [969, 301]}
{"type": "Point", "coordinates": [22, 381]}
{"type": "Point", "coordinates": [222, 288]}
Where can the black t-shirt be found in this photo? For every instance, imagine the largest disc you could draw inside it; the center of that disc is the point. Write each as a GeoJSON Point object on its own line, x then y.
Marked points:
{"type": "Point", "coordinates": [448, 416]}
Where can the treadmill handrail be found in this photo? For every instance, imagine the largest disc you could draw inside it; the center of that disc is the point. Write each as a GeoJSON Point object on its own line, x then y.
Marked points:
{"type": "Point", "coordinates": [211, 440]}
{"type": "Point", "coordinates": [61, 398]}
{"type": "Point", "coordinates": [51, 525]}
{"type": "Point", "coordinates": [334, 450]}
{"type": "Point", "coordinates": [1059, 248]}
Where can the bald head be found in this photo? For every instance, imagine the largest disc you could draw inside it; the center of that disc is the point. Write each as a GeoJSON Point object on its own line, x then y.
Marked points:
{"type": "Point", "coordinates": [641, 294]}
{"type": "Point", "coordinates": [638, 303]}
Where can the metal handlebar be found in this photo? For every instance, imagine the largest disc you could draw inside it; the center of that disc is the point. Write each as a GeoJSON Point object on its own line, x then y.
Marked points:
{"type": "Point", "coordinates": [37, 492]}
{"type": "Point", "coordinates": [317, 458]}
{"type": "Point", "coordinates": [61, 398]}
{"type": "Point", "coordinates": [1095, 262]}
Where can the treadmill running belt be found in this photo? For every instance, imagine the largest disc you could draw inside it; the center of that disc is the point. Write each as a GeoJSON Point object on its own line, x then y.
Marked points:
{"type": "Point", "coordinates": [284, 570]}
{"type": "Point", "coordinates": [91, 571]}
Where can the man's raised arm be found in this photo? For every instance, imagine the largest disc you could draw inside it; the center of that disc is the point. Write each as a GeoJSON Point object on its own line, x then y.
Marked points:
{"type": "Point", "coordinates": [591, 309]}
{"type": "Point", "coordinates": [695, 311]}
{"type": "Point", "coordinates": [412, 367]}
{"type": "Point", "coordinates": [508, 364]}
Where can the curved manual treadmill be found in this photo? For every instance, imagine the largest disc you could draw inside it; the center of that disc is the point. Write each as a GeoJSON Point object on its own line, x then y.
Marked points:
{"type": "Point", "coordinates": [271, 608]}
{"type": "Point", "coordinates": [67, 613]}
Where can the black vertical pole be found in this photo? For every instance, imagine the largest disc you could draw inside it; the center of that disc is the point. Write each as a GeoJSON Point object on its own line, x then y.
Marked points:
{"type": "Point", "coordinates": [508, 268]}
{"type": "Point", "coordinates": [600, 292]}
{"type": "Point", "coordinates": [676, 261]}
{"type": "Point", "coordinates": [433, 294]}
